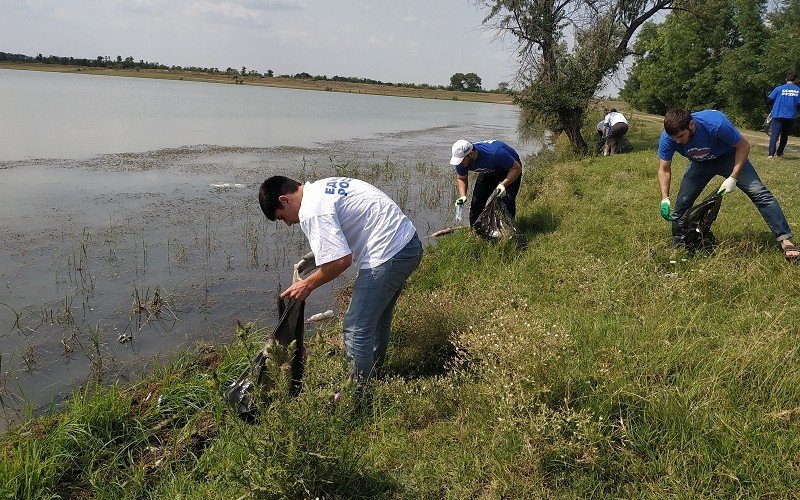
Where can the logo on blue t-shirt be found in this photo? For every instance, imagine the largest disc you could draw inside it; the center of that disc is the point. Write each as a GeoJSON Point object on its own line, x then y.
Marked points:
{"type": "Point", "coordinates": [699, 154]}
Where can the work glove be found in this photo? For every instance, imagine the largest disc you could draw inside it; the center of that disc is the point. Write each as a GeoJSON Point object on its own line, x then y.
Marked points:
{"type": "Point", "coordinates": [500, 190]}
{"type": "Point", "coordinates": [303, 266]}
{"type": "Point", "coordinates": [665, 210]}
{"type": "Point", "coordinates": [461, 200]}
{"type": "Point", "coordinates": [727, 186]}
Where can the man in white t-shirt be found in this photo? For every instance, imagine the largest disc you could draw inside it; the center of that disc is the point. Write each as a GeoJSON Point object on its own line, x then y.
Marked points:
{"type": "Point", "coordinates": [616, 126]}
{"type": "Point", "coordinates": [348, 221]}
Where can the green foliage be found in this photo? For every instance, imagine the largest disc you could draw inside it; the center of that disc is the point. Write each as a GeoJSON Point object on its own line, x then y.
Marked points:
{"type": "Point", "coordinates": [561, 78]}
{"type": "Point", "coordinates": [469, 82]}
{"type": "Point", "coordinates": [583, 365]}
{"type": "Point", "coordinates": [724, 54]}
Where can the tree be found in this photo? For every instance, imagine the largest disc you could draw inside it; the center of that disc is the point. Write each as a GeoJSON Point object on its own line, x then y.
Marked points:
{"type": "Point", "coordinates": [723, 55]}
{"type": "Point", "coordinates": [677, 62]}
{"type": "Point", "coordinates": [782, 52]}
{"type": "Point", "coordinates": [469, 82]}
{"type": "Point", "coordinates": [457, 81]}
{"type": "Point", "coordinates": [560, 78]}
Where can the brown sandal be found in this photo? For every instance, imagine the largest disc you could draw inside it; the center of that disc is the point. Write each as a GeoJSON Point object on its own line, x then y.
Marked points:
{"type": "Point", "coordinates": [792, 248]}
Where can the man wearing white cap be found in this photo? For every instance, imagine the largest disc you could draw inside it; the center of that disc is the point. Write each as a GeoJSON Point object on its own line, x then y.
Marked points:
{"type": "Point", "coordinates": [499, 170]}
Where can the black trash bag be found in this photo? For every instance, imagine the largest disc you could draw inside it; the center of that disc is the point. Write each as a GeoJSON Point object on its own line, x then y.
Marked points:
{"type": "Point", "coordinates": [767, 125]}
{"type": "Point", "coordinates": [242, 393]}
{"type": "Point", "coordinates": [624, 145]}
{"type": "Point", "coordinates": [495, 222]}
{"type": "Point", "coordinates": [694, 227]}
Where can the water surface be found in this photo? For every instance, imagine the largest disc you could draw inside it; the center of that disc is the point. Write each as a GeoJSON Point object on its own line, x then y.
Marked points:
{"type": "Point", "coordinates": [115, 191]}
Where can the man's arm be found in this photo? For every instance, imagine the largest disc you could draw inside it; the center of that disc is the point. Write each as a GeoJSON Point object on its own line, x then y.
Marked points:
{"type": "Point", "coordinates": [462, 182]}
{"type": "Point", "coordinates": [664, 177]}
{"type": "Point", "coordinates": [742, 152]}
{"type": "Point", "coordinates": [325, 273]}
{"type": "Point", "coordinates": [512, 175]}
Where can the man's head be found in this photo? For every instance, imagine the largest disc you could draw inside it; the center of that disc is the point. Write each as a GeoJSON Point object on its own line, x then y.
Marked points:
{"type": "Point", "coordinates": [679, 125]}
{"type": "Point", "coordinates": [280, 199]}
{"type": "Point", "coordinates": [613, 110]}
{"type": "Point", "coordinates": [461, 148]}
{"type": "Point", "coordinates": [791, 76]}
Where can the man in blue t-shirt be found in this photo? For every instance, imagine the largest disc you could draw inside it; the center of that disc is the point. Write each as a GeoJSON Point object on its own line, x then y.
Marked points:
{"type": "Point", "coordinates": [499, 170]}
{"type": "Point", "coordinates": [786, 100]}
{"type": "Point", "coordinates": [714, 147]}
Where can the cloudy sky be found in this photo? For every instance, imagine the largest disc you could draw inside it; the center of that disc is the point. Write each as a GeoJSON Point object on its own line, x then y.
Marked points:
{"type": "Point", "coordinates": [414, 41]}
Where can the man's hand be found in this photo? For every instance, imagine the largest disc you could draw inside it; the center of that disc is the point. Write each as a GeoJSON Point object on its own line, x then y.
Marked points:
{"type": "Point", "coordinates": [461, 200]}
{"type": "Point", "coordinates": [500, 190]}
{"type": "Point", "coordinates": [727, 186]}
{"type": "Point", "coordinates": [298, 291]}
{"type": "Point", "coordinates": [665, 210]}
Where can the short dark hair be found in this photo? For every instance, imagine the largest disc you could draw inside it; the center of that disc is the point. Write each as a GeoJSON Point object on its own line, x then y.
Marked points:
{"type": "Point", "coordinates": [613, 110]}
{"type": "Point", "coordinates": [791, 76]}
{"type": "Point", "coordinates": [271, 189]}
{"type": "Point", "coordinates": [676, 121]}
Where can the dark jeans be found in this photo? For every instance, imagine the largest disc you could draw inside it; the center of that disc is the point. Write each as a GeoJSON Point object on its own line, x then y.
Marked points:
{"type": "Point", "coordinates": [699, 174]}
{"type": "Point", "coordinates": [780, 127]}
{"type": "Point", "coordinates": [615, 133]}
{"type": "Point", "coordinates": [485, 186]}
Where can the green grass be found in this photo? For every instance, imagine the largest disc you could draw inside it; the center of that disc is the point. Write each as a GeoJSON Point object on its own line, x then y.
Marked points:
{"type": "Point", "coordinates": [583, 364]}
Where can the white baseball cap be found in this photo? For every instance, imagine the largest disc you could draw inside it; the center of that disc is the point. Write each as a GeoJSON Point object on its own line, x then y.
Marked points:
{"type": "Point", "coordinates": [461, 148]}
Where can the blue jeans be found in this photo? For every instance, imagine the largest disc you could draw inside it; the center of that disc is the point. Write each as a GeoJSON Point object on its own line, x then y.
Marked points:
{"type": "Point", "coordinates": [699, 174]}
{"type": "Point", "coordinates": [368, 319]}
{"type": "Point", "coordinates": [780, 127]}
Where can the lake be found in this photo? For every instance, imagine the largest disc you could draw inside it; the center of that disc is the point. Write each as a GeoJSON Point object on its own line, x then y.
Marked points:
{"type": "Point", "coordinates": [129, 220]}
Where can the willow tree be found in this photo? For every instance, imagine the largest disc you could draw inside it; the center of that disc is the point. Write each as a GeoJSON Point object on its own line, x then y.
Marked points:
{"type": "Point", "coordinates": [566, 48]}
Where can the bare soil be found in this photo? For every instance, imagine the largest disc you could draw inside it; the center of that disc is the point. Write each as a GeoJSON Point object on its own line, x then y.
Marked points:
{"type": "Point", "coordinates": [291, 83]}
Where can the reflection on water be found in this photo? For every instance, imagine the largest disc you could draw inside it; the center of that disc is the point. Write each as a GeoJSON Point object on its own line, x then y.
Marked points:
{"type": "Point", "coordinates": [112, 261]}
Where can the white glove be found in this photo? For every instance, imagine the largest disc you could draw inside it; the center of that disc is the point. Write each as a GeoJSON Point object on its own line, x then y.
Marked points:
{"type": "Point", "coordinates": [727, 186]}
{"type": "Point", "coordinates": [460, 201]}
{"type": "Point", "coordinates": [500, 190]}
{"type": "Point", "coordinates": [302, 266]}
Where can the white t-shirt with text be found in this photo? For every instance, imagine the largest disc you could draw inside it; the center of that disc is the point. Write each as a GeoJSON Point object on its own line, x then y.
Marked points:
{"type": "Point", "coordinates": [340, 216]}
{"type": "Point", "coordinates": [613, 118]}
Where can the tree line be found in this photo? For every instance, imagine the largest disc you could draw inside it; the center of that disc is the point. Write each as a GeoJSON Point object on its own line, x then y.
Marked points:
{"type": "Point", "coordinates": [469, 82]}
{"type": "Point", "coordinates": [723, 54]}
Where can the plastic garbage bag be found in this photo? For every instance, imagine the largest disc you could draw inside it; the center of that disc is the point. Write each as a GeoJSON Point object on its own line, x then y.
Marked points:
{"type": "Point", "coordinates": [623, 145]}
{"type": "Point", "coordinates": [694, 227]}
{"type": "Point", "coordinates": [495, 222]}
{"type": "Point", "coordinates": [242, 393]}
{"type": "Point", "coordinates": [767, 125]}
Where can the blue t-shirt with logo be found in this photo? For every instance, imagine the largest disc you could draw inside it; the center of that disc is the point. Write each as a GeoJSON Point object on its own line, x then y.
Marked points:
{"type": "Point", "coordinates": [493, 156]}
{"type": "Point", "coordinates": [787, 100]}
{"type": "Point", "coordinates": [715, 137]}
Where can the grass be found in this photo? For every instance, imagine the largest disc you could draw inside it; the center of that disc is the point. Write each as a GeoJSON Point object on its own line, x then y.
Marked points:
{"type": "Point", "coordinates": [583, 364]}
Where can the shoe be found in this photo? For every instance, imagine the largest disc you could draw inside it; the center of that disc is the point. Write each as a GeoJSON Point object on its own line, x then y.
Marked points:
{"type": "Point", "coordinates": [791, 248]}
